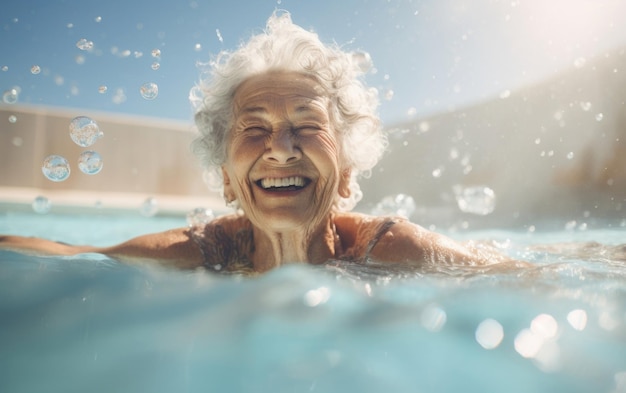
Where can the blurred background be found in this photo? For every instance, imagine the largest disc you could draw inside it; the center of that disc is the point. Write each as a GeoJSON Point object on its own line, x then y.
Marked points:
{"type": "Point", "coordinates": [498, 112]}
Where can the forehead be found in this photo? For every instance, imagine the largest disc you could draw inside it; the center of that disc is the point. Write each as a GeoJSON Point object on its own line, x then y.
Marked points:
{"type": "Point", "coordinates": [284, 88]}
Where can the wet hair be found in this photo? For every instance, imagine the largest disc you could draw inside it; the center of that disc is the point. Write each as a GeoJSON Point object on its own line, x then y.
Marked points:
{"type": "Point", "coordinates": [286, 46]}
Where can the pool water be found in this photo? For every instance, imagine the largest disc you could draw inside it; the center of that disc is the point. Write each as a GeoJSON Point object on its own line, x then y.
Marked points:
{"type": "Point", "coordinates": [88, 323]}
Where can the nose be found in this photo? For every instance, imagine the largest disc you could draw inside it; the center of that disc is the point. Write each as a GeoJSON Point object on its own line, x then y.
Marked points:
{"type": "Point", "coordinates": [281, 148]}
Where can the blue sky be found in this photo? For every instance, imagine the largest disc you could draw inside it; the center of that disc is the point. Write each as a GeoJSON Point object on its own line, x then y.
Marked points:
{"type": "Point", "coordinates": [429, 55]}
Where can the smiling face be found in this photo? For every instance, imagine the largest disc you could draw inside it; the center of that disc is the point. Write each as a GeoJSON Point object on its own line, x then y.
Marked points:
{"type": "Point", "coordinates": [283, 160]}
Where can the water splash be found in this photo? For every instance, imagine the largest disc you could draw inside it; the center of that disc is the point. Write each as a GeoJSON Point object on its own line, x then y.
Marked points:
{"type": "Point", "coordinates": [199, 216]}
{"type": "Point", "coordinates": [395, 205]}
{"type": "Point", "coordinates": [478, 200]}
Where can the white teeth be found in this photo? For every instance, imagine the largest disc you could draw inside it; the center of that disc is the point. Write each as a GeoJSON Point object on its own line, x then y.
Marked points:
{"type": "Point", "coordinates": [282, 182]}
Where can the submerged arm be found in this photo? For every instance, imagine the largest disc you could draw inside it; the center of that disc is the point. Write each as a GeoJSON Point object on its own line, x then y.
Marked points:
{"type": "Point", "coordinates": [171, 248]}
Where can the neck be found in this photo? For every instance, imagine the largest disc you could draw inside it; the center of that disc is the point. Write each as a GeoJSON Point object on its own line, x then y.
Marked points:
{"type": "Point", "coordinates": [309, 245]}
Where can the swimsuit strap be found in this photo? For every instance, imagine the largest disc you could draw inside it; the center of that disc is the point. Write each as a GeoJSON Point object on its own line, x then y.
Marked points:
{"type": "Point", "coordinates": [384, 228]}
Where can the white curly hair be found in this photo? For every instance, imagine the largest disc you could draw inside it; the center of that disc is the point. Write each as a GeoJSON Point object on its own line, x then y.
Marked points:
{"type": "Point", "coordinates": [286, 46]}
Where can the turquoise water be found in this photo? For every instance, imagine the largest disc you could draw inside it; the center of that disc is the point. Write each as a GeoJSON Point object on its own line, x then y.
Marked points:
{"type": "Point", "coordinates": [88, 323]}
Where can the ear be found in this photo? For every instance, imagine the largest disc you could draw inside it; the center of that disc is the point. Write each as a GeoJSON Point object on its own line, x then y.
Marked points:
{"type": "Point", "coordinates": [344, 183]}
{"type": "Point", "coordinates": [229, 194]}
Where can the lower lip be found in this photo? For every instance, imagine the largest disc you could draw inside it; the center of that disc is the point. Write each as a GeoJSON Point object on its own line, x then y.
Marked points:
{"type": "Point", "coordinates": [282, 193]}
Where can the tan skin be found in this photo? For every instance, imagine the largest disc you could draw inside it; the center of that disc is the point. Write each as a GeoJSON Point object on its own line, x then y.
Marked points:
{"type": "Point", "coordinates": [281, 134]}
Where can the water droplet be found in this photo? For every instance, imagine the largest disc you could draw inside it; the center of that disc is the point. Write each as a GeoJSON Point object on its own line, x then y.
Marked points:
{"type": "Point", "coordinates": [437, 172]}
{"type": "Point", "coordinates": [10, 96]}
{"type": "Point", "coordinates": [199, 216]}
{"type": "Point", "coordinates": [35, 70]}
{"type": "Point", "coordinates": [489, 334]}
{"type": "Point", "coordinates": [478, 200]}
{"type": "Point", "coordinates": [84, 44]}
{"type": "Point", "coordinates": [56, 168]}
{"type": "Point", "coordinates": [586, 106]}
{"type": "Point", "coordinates": [41, 205]}
{"type": "Point", "coordinates": [149, 207]}
{"type": "Point", "coordinates": [570, 155]}
{"type": "Point", "coordinates": [395, 205]}
{"type": "Point", "coordinates": [102, 89]}
{"type": "Point", "coordinates": [155, 66]}
{"type": "Point", "coordinates": [599, 117]}
{"type": "Point", "coordinates": [90, 162]}
{"type": "Point", "coordinates": [84, 131]}
{"type": "Point", "coordinates": [156, 53]}
{"type": "Point", "coordinates": [149, 90]}
{"type": "Point", "coordinates": [13, 119]}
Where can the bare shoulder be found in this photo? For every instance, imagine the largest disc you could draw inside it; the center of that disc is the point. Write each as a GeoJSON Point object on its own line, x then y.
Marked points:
{"type": "Point", "coordinates": [398, 240]}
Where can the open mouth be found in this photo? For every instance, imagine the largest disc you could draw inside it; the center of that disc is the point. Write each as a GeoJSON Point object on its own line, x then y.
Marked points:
{"type": "Point", "coordinates": [276, 184]}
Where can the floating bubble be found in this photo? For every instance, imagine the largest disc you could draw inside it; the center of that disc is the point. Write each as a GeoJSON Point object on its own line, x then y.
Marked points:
{"type": "Point", "coordinates": [395, 205]}
{"type": "Point", "coordinates": [580, 62]}
{"type": "Point", "coordinates": [599, 117]}
{"type": "Point", "coordinates": [10, 96]}
{"type": "Point", "coordinates": [199, 216]}
{"type": "Point", "coordinates": [489, 334]}
{"type": "Point", "coordinates": [586, 106]}
{"type": "Point", "coordinates": [570, 155]}
{"type": "Point", "coordinates": [5, 68]}
{"type": "Point", "coordinates": [149, 207]}
{"type": "Point", "coordinates": [149, 90]}
{"type": "Point", "coordinates": [478, 200]}
{"type": "Point", "coordinates": [363, 60]}
{"type": "Point", "coordinates": [155, 66]}
{"type": "Point", "coordinates": [35, 70]}
{"type": "Point", "coordinates": [219, 35]}
{"type": "Point", "coordinates": [433, 318]}
{"type": "Point", "coordinates": [90, 162]}
{"type": "Point", "coordinates": [197, 47]}
{"type": "Point", "coordinates": [17, 141]}
{"type": "Point", "coordinates": [84, 44]}
{"type": "Point", "coordinates": [102, 89]}
{"type": "Point", "coordinates": [84, 131]}
{"type": "Point", "coordinates": [56, 168]}
{"type": "Point", "coordinates": [12, 119]}
{"type": "Point", "coordinates": [79, 59]}
{"type": "Point", "coordinates": [98, 19]}
{"type": "Point", "coordinates": [41, 205]}
{"type": "Point", "coordinates": [156, 53]}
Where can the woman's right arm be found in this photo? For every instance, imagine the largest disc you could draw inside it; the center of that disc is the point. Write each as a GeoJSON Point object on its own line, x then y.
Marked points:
{"type": "Point", "coordinates": [173, 248]}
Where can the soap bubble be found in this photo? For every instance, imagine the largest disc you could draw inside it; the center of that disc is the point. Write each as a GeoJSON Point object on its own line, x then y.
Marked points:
{"type": "Point", "coordinates": [155, 66]}
{"type": "Point", "coordinates": [90, 162]}
{"type": "Point", "coordinates": [84, 131]}
{"type": "Point", "coordinates": [35, 70]}
{"type": "Point", "coordinates": [10, 96]}
{"type": "Point", "coordinates": [156, 53]}
{"type": "Point", "coordinates": [102, 89]}
{"type": "Point", "coordinates": [56, 168]}
{"type": "Point", "coordinates": [149, 207]}
{"type": "Point", "coordinates": [84, 44]}
{"type": "Point", "coordinates": [199, 216]}
{"type": "Point", "coordinates": [395, 205]}
{"type": "Point", "coordinates": [41, 205]}
{"type": "Point", "coordinates": [12, 119]}
{"type": "Point", "coordinates": [149, 90]}
{"type": "Point", "coordinates": [478, 200]}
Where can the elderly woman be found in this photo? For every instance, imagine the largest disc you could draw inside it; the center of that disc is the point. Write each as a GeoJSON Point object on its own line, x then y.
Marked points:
{"type": "Point", "coordinates": [287, 124]}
